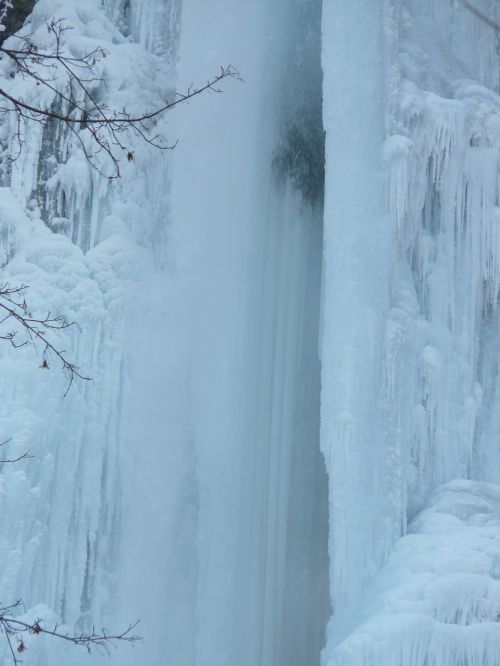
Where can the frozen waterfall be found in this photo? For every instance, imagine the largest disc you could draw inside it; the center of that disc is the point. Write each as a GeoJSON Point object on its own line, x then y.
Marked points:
{"type": "Point", "coordinates": [288, 453]}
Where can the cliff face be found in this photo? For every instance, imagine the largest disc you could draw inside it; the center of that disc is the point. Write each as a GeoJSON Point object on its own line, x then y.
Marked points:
{"type": "Point", "coordinates": [15, 17]}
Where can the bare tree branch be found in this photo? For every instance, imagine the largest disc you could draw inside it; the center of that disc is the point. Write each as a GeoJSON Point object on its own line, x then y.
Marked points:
{"type": "Point", "coordinates": [15, 629]}
{"type": "Point", "coordinates": [482, 17]}
{"type": "Point", "coordinates": [24, 456]}
{"type": "Point", "coordinates": [13, 305]}
{"type": "Point", "coordinates": [78, 108]}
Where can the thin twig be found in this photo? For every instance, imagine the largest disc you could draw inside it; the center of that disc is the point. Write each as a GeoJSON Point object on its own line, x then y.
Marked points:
{"type": "Point", "coordinates": [13, 303]}
{"type": "Point", "coordinates": [14, 629]}
{"type": "Point", "coordinates": [77, 106]}
{"type": "Point", "coordinates": [479, 14]}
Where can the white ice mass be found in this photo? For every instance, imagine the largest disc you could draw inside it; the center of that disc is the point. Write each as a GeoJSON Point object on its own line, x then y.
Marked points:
{"type": "Point", "coordinates": [289, 452]}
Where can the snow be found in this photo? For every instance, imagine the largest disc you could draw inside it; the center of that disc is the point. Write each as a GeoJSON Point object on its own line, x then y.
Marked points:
{"type": "Point", "coordinates": [51, 519]}
{"type": "Point", "coordinates": [437, 599]}
{"type": "Point", "coordinates": [83, 247]}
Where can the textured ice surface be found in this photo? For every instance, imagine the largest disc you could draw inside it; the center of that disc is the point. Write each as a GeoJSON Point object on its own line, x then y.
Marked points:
{"type": "Point", "coordinates": [437, 600]}
{"type": "Point", "coordinates": [83, 246]}
{"type": "Point", "coordinates": [411, 339]}
{"type": "Point", "coordinates": [60, 509]}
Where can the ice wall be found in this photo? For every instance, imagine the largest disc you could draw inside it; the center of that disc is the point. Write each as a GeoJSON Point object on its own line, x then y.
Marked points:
{"type": "Point", "coordinates": [86, 248]}
{"type": "Point", "coordinates": [410, 339]}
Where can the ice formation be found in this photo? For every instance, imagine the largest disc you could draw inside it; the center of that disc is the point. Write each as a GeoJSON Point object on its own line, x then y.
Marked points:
{"type": "Point", "coordinates": [410, 343]}
{"type": "Point", "coordinates": [240, 334]}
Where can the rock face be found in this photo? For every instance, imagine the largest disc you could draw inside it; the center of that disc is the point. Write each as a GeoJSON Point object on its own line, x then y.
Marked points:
{"type": "Point", "coordinates": [16, 16]}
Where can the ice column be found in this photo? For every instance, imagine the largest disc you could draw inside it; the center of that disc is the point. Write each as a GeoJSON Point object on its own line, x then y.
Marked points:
{"type": "Point", "coordinates": [356, 265]}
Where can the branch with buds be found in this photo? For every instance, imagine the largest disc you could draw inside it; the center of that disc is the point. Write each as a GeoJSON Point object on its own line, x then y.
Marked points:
{"type": "Point", "coordinates": [15, 631]}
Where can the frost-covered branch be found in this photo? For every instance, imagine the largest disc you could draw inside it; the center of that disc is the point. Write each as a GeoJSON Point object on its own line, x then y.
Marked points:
{"type": "Point", "coordinates": [15, 631]}
{"type": "Point", "coordinates": [15, 310]}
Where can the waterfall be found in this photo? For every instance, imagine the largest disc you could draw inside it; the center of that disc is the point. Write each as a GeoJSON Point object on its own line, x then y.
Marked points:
{"type": "Point", "coordinates": [244, 549]}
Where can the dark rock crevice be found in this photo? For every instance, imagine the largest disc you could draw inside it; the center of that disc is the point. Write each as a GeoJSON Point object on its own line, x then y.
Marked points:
{"type": "Point", "coordinates": [15, 17]}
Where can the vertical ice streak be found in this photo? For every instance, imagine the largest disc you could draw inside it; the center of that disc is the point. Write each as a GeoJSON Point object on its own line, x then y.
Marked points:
{"type": "Point", "coordinates": [357, 265]}
{"type": "Point", "coordinates": [234, 518]}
